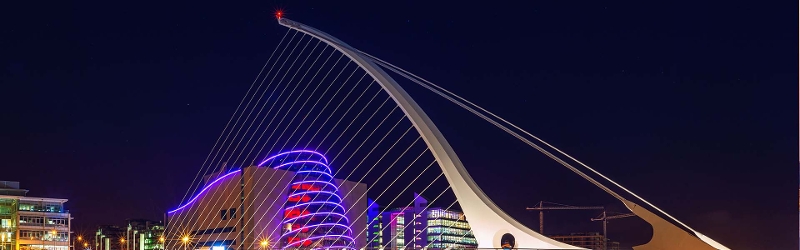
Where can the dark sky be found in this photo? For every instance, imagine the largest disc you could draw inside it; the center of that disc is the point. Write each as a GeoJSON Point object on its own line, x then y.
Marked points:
{"type": "Point", "coordinates": [114, 105]}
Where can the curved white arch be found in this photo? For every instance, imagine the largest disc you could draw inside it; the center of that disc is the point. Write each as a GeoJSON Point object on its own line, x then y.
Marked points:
{"type": "Point", "coordinates": [488, 221]}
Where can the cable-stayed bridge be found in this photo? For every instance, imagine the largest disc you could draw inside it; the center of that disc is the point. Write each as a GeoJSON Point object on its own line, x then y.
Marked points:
{"type": "Point", "coordinates": [326, 148]}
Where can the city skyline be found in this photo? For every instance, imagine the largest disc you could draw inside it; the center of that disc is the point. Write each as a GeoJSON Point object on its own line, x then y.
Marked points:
{"type": "Point", "coordinates": [682, 125]}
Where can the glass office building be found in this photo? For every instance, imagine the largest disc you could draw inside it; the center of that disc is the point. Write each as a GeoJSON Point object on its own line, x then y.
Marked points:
{"type": "Point", "coordinates": [32, 223]}
{"type": "Point", "coordinates": [418, 227]}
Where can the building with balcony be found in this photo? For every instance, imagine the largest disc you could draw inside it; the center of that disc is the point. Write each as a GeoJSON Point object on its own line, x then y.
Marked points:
{"type": "Point", "coordinates": [32, 223]}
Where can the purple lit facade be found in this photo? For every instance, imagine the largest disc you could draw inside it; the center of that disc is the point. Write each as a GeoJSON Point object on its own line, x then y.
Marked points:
{"type": "Point", "coordinates": [313, 215]}
{"type": "Point", "coordinates": [240, 208]}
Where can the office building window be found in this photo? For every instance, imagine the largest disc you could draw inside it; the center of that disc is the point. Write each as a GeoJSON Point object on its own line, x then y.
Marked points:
{"type": "Point", "coordinates": [223, 214]}
{"type": "Point", "coordinates": [232, 213]}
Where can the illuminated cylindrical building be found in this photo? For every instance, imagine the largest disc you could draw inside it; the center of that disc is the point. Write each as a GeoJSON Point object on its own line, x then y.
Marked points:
{"type": "Point", "coordinates": [289, 200]}
{"type": "Point", "coordinates": [313, 215]}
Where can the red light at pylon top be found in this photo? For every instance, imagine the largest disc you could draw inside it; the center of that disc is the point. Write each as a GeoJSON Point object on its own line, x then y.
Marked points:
{"type": "Point", "coordinates": [279, 14]}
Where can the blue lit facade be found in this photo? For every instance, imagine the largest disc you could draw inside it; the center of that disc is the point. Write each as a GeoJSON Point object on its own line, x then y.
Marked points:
{"type": "Point", "coordinates": [374, 225]}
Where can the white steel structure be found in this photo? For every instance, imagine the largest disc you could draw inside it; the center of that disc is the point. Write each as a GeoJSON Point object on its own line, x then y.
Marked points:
{"type": "Point", "coordinates": [489, 223]}
{"type": "Point", "coordinates": [304, 100]}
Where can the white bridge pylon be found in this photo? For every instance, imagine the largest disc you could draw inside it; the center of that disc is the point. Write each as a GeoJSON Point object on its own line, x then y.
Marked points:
{"type": "Point", "coordinates": [488, 222]}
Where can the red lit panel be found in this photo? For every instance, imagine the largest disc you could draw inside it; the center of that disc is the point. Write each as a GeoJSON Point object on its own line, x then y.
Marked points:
{"type": "Point", "coordinates": [294, 213]}
{"type": "Point", "coordinates": [303, 198]}
{"type": "Point", "coordinates": [308, 187]}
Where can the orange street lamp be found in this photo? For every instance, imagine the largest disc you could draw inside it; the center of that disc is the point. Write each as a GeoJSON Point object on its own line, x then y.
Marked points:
{"type": "Point", "coordinates": [264, 243]}
{"type": "Point", "coordinates": [185, 241]}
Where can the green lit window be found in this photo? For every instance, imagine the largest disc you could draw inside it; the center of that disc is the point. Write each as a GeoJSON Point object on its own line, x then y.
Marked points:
{"type": "Point", "coordinates": [6, 223]}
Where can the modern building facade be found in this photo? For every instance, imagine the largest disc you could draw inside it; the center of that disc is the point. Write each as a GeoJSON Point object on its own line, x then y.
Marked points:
{"type": "Point", "coordinates": [313, 214]}
{"type": "Point", "coordinates": [418, 227]}
{"type": "Point", "coordinates": [289, 200]}
{"type": "Point", "coordinates": [591, 240]}
{"type": "Point", "coordinates": [145, 234]}
{"type": "Point", "coordinates": [110, 237]}
{"type": "Point", "coordinates": [374, 226]}
{"type": "Point", "coordinates": [136, 234]}
{"type": "Point", "coordinates": [32, 223]}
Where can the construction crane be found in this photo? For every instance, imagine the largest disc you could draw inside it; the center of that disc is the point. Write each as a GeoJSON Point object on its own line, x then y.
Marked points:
{"type": "Point", "coordinates": [541, 207]}
{"type": "Point", "coordinates": [604, 217]}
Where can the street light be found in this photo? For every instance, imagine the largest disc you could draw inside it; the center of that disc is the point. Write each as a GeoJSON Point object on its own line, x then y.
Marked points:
{"type": "Point", "coordinates": [79, 239]}
{"type": "Point", "coordinates": [264, 243]}
{"type": "Point", "coordinates": [185, 241]}
{"type": "Point", "coordinates": [161, 241]}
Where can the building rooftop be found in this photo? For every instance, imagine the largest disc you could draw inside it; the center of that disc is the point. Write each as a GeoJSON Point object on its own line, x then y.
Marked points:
{"type": "Point", "coordinates": [9, 184]}
{"type": "Point", "coordinates": [11, 188]}
{"type": "Point", "coordinates": [27, 198]}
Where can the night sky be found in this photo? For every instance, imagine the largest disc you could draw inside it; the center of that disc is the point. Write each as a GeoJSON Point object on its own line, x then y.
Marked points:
{"type": "Point", "coordinates": [114, 105]}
